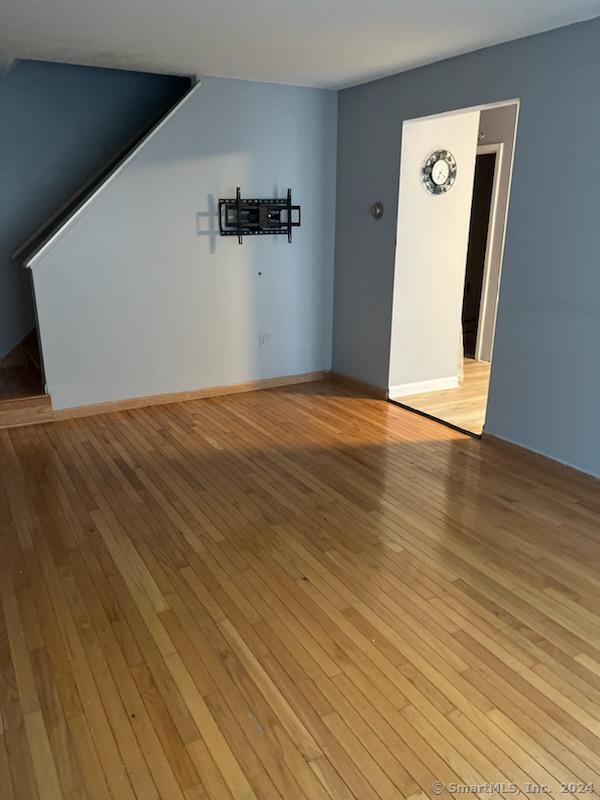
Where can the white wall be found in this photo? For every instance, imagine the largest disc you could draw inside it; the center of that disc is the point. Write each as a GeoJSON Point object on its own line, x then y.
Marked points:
{"type": "Point", "coordinates": [498, 127]}
{"type": "Point", "coordinates": [431, 251]}
{"type": "Point", "coordinates": [140, 296]}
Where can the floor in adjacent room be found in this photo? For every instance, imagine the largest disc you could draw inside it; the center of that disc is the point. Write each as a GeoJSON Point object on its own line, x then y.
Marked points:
{"type": "Point", "coordinates": [16, 382]}
{"type": "Point", "coordinates": [293, 593]}
{"type": "Point", "coordinates": [464, 406]}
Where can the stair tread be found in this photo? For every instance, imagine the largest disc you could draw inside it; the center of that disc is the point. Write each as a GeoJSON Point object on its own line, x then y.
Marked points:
{"type": "Point", "coordinates": [27, 399]}
{"type": "Point", "coordinates": [30, 410]}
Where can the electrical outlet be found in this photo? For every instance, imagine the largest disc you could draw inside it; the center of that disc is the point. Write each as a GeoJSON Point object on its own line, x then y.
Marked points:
{"type": "Point", "coordinates": [265, 339]}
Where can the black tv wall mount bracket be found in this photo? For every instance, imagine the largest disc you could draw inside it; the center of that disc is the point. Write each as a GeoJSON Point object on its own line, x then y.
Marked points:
{"type": "Point", "coordinates": [238, 217]}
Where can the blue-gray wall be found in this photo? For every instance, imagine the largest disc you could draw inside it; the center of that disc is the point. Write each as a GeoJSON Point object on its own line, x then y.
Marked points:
{"type": "Point", "coordinates": [545, 388]}
{"type": "Point", "coordinates": [58, 125]}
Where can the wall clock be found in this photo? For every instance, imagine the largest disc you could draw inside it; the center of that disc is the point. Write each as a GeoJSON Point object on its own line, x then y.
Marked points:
{"type": "Point", "coordinates": [439, 172]}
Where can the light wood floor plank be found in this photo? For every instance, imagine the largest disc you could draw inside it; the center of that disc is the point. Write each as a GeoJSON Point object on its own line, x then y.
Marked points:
{"type": "Point", "coordinates": [294, 593]}
{"type": "Point", "coordinates": [464, 406]}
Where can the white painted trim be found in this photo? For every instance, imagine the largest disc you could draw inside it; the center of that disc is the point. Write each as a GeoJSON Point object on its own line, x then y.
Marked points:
{"type": "Point", "coordinates": [77, 213]}
{"type": "Point", "coordinates": [420, 387]}
{"type": "Point", "coordinates": [504, 226]}
{"type": "Point", "coordinates": [490, 148]}
{"type": "Point", "coordinates": [486, 299]}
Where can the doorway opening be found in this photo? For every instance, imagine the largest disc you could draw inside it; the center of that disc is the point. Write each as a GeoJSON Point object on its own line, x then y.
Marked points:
{"type": "Point", "coordinates": [448, 261]}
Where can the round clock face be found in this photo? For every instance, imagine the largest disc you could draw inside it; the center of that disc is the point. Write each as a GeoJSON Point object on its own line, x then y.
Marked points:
{"type": "Point", "coordinates": [439, 172]}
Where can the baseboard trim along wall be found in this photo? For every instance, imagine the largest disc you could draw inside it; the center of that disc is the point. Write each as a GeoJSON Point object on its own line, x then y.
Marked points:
{"type": "Point", "coordinates": [360, 386]}
{"type": "Point", "coordinates": [181, 397]}
{"type": "Point", "coordinates": [559, 466]}
{"type": "Point", "coordinates": [435, 385]}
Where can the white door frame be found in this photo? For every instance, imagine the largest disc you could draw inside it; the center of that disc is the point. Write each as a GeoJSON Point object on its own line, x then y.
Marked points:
{"type": "Point", "coordinates": [489, 300]}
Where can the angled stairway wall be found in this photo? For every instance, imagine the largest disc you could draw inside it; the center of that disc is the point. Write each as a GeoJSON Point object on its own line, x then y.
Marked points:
{"type": "Point", "coordinates": [137, 294]}
{"type": "Point", "coordinates": [60, 124]}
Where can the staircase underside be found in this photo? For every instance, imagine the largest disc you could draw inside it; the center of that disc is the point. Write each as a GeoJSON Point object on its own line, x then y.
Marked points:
{"type": "Point", "coordinates": [21, 381]}
{"type": "Point", "coordinates": [22, 397]}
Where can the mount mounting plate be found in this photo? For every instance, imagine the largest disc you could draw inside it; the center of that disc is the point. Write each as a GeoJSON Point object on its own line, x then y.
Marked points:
{"type": "Point", "coordinates": [257, 217]}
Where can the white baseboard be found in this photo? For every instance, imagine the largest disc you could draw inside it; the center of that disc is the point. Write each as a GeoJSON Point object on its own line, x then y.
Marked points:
{"type": "Point", "coordinates": [420, 387]}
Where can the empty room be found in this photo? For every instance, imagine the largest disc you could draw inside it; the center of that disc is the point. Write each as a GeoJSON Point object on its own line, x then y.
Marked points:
{"type": "Point", "coordinates": [299, 380]}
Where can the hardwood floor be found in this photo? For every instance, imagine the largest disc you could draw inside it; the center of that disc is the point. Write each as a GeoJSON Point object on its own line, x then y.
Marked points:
{"type": "Point", "coordinates": [464, 406]}
{"type": "Point", "coordinates": [294, 593]}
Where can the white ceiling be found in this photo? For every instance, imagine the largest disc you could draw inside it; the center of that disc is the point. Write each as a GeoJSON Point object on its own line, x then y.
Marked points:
{"type": "Point", "coordinates": [329, 43]}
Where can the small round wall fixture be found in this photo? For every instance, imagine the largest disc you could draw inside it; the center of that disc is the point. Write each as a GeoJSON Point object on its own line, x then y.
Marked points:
{"type": "Point", "coordinates": [439, 172]}
{"type": "Point", "coordinates": [377, 210]}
